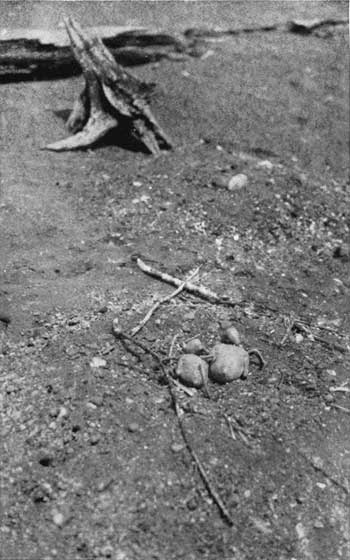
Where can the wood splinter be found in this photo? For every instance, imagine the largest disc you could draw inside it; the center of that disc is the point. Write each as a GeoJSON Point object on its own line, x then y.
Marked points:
{"type": "Point", "coordinates": [111, 97]}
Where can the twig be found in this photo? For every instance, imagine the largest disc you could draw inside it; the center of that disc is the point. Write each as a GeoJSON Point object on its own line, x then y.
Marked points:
{"type": "Point", "coordinates": [313, 464]}
{"type": "Point", "coordinates": [320, 469]}
{"type": "Point", "coordinates": [160, 302]}
{"type": "Point", "coordinates": [307, 330]}
{"type": "Point", "coordinates": [228, 421]}
{"type": "Point", "coordinates": [290, 326]}
{"type": "Point", "coordinates": [257, 353]}
{"type": "Point", "coordinates": [199, 291]}
{"type": "Point", "coordinates": [210, 488]}
{"type": "Point", "coordinates": [172, 345]}
{"type": "Point", "coordinates": [341, 389]}
{"type": "Point", "coordinates": [342, 408]}
{"type": "Point", "coordinates": [190, 391]}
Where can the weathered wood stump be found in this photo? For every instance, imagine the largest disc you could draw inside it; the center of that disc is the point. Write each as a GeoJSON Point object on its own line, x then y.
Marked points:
{"type": "Point", "coordinates": [111, 96]}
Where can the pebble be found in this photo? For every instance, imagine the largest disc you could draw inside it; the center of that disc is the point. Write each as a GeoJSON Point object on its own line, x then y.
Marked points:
{"type": "Point", "coordinates": [192, 503]}
{"type": "Point", "coordinates": [73, 321]}
{"type": "Point", "coordinates": [62, 413]}
{"type": "Point", "coordinates": [97, 362]}
{"type": "Point", "coordinates": [342, 252]}
{"type": "Point", "coordinates": [53, 412]}
{"type": "Point", "coordinates": [194, 346]}
{"type": "Point", "coordinates": [318, 524]}
{"type": "Point", "coordinates": [97, 400]}
{"type": "Point", "coordinates": [265, 164]}
{"type": "Point", "coordinates": [46, 459]}
{"type": "Point", "coordinates": [177, 447]}
{"type": "Point", "coordinates": [237, 182]}
{"type": "Point", "coordinates": [221, 181]}
{"type": "Point", "coordinates": [190, 316]}
{"type": "Point", "coordinates": [94, 438]}
{"type": "Point", "coordinates": [58, 518]}
{"type": "Point", "coordinates": [229, 334]}
{"type": "Point", "coordinates": [299, 338]}
{"type": "Point", "coordinates": [133, 427]}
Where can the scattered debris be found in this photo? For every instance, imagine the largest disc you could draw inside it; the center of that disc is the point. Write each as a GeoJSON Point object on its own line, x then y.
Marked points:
{"type": "Point", "coordinates": [110, 96]}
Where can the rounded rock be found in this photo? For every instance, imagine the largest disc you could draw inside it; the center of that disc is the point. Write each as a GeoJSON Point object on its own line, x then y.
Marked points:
{"type": "Point", "coordinates": [194, 346]}
{"type": "Point", "coordinates": [192, 371]}
{"type": "Point", "coordinates": [237, 182]}
{"type": "Point", "coordinates": [229, 334]}
{"type": "Point", "coordinates": [230, 362]}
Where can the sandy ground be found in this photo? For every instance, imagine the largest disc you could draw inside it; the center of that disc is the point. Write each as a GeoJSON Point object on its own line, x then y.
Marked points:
{"type": "Point", "coordinates": [93, 464]}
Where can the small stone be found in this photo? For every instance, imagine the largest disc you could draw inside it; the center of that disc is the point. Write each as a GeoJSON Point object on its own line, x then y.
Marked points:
{"type": "Point", "coordinates": [133, 427]}
{"type": "Point", "coordinates": [177, 447]}
{"type": "Point", "coordinates": [237, 182]}
{"type": "Point", "coordinates": [91, 406]}
{"type": "Point", "coordinates": [229, 334]}
{"type": "Point", "coordinates": [97, 362]}
{"type": "Point", "coordinates": [190, 316]}
{"type": "Point", "coordinates": [342, 252]}
{"type": "Point", "coordinates": [265, 164]}
{"type": "Point", "coordinates": [221, 181]}
{"type": "Point", "coordinates": [94, 438]}
{"type": "Point", "coordinates": [46, 459]}
{"type": "Point", "coordinates": [62, 413]}
{"type": "Point", "coordinates": [318, 524]}
{"type": "Point", "coordinates": [299, 338]}
{"type": "Point", "coordinates": [328, 398]}
{"type": "Point", "coordinates": [194, 346]}
{"type": "Point", "coordinates": [192, 503]}
{"type": "Point", "coordinates": [53, 412]}
{"type": "Point", "coordinates": [73, 321]}
{"type": "Point", "coordinates": [97, 400]}
{"type": "Point", "coordinates": [58, 518]}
